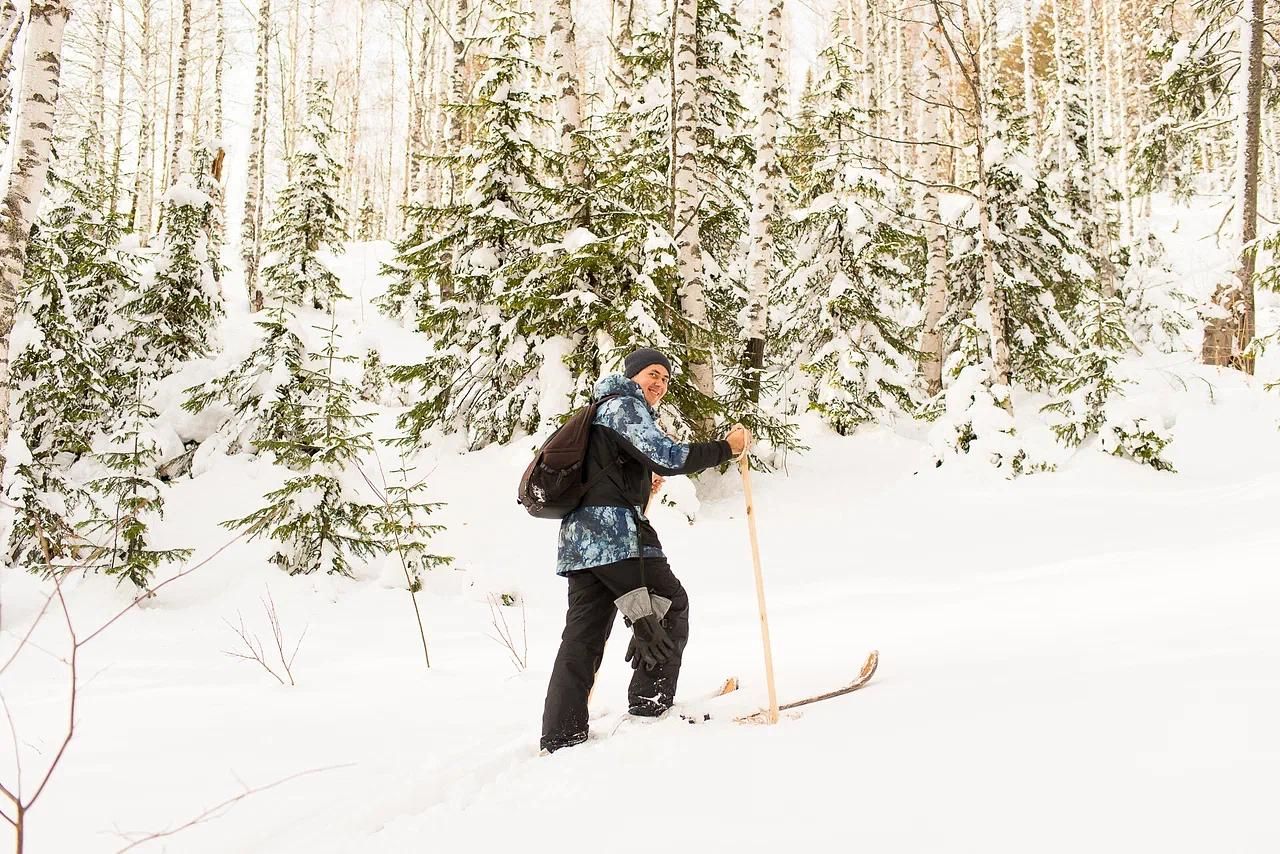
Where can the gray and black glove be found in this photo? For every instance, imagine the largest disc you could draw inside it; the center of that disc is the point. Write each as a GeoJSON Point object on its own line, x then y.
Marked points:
{"type": "Point", "coordinates": [650, 644]}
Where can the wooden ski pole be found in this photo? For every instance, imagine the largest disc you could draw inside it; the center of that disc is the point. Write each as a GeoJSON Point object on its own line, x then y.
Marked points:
{"type": "Point", "coordinates": [745, 466]}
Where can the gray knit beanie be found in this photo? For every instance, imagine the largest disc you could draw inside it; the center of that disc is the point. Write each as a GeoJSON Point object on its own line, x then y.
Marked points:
{"type": "Point", "coordinates": [640, 359]}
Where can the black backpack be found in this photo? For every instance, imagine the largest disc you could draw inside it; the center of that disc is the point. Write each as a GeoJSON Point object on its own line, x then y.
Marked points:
{"type": "Point", "coordinates": [555, 480]}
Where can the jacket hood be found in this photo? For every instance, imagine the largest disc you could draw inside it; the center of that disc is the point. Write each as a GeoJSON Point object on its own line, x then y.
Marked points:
{"type": "Point", "coordinates": [618, 384]}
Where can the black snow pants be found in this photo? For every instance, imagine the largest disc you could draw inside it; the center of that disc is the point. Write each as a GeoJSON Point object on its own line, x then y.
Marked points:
{"type": "Point", "coordinates": [587, 625]}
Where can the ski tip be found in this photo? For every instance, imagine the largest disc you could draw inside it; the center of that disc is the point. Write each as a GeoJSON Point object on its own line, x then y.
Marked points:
{"type": "Point", "coordinates": [869, 666]}
{"type": "Point", "coordinates": [730, 685]}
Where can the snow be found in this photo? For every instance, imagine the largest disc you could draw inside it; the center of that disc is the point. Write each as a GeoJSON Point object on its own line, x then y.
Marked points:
{"type": "Point", "coordinates": [1074, 661]}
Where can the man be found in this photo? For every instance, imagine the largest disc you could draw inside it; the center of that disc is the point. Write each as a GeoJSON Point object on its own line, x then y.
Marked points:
{"type": "Point", "coordinates": [612, 557]}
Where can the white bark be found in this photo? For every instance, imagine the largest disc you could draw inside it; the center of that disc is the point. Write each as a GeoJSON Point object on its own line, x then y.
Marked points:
{"type": "Point", "coordinates": [685, 216]}
{"type": "Point", "coordinates": [622, 79]}
{"type": "Point", "coordinates": [933, 170]}
{"type": "Point", "coordinates": [1060, 76]}
{"type": "Point", "coordinates": [117, 151]}
{"type": "Point", "coordinates": [768, 184]}
{"type": "Point", "coordinates": [32, 146]}
{"type": "Point", "coordinates": [179, 94]}
{"type": "Point", "coordinates": [220, 52]}
{"type": "Point", "coordinates": [1226, 341]}
{"type": "Point", "coordinates": [1093, 87]}
{"type": "Point", "coordinates": [1028, 77]}
{"type": "Point", "coordinates": [98, 85]}
{"type": "Point", "coordinates": [353, 133]}
{"type": "Point", "coordinates": [564, 45]}
{"type": "Point", "coordinates": [252, 201]}
{"type": "Point", "coordinates": [1123, 127]}
{"type": "Point", "coordinates": [142, 187]}
{"type": "Point", "coordinates": [11, 22]}
{"type": "Point", "coordinates": [459, 78]}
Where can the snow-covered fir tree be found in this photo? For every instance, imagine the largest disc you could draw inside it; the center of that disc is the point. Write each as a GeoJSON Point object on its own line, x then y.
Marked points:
{"type": "Point", "coordinates": [452, 273]}
{"type": "Point", "coordinates": [1092, 402]}
{"type": "Point", "coordinates": [327, 515]}
{"type": "Point", "coordinates": [308, 216]}
{"type": "Point", "coordinates": [64, 376]}
{"type": "Point", "coordinates": [179, 300]}
{"type": "Point", "coordinates": [1040, 256]}
{"type": "Point", "coordinates": [130, 496]}
{"type": "Point", "coordinates": [854, 263]}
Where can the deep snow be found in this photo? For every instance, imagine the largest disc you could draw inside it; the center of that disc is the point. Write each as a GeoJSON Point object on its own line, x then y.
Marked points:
{"type": "Point", "coordinates": [1079, 661]}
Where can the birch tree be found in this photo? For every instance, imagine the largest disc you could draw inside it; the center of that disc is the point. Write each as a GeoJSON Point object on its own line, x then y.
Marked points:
{"type": "Point", "coordinates": [353, 131]}
{"type": "Point", "coordinates": [1228, 337]}
{"type": "Point", "coordinates": [974, 57]}
{"type": "Point", "coordinates": [179, 93]}
{"type": "Point", "coordinates": [33, 144]}
{"type": "Point", "coordinates": [11, 22]}
{"type": "Point", "coordinates": [564, 43]}
{"type": "Point", "coordinates": [768, 178]}
{"type": "Point", "coordinates": [933, 168]}
{"type": "Point", "coordinates": [1028, 75]}
{"type": "Point", "coordinates": [249, 245]}
{"type": "Point", "coordinates": [685, 223]}
{"type": "Point", "coordinates": [142, 188]}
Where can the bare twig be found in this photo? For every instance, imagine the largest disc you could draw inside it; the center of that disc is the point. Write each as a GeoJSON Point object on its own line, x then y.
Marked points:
{"type": "Point", "coordinates": [257, 652]}
{"type": "Point", "coordinates": [213, 811]}
{"type": "Point", "coordinates": [152, 591]}
{"type": "Point", "coordinates": [505, 637]}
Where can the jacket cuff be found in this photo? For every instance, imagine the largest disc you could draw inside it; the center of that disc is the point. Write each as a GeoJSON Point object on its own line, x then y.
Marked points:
{"type": "Point", "coordinates": [726, 452]}
{"type": "Point", "coordinates": [635, 605]}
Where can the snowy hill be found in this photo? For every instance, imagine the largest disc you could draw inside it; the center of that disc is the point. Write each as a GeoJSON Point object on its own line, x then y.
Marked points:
{"type": "Point", "coordinates": [1077, 661]}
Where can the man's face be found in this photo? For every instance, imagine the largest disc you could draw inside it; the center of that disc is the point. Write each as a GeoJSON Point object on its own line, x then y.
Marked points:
{"type": "Point", "coordinates": [653, 381]}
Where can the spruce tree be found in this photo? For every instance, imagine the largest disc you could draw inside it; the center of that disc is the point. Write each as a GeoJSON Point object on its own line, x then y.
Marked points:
{"type": "Point", "coordinates": [452, 272]}
{"type": "Point", "coordinates": [130, 496]}
{"type": "Point", "coordinates": [177, 305]}
{"type": "Point", "coordinates": [66, 377]}
{"type": "Point", "coordinates": [323, 516]}
{"type": "Point", "coordinates": [1094, 386]}
{"type": "Point", "coordinates": [308, 216]}
{"type": "Point", "coordinates": [854, 261]}
{"type": "Point", "coordinates": [1040, 254]}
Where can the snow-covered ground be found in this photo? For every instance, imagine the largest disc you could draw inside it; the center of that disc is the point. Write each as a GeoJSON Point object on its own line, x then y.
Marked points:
{"type": "Point", "coordinates": [1081, 661]}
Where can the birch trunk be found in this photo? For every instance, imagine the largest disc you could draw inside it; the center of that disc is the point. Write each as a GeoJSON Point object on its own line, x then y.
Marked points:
{"type": "Point", "coordinates": [1123, 127]}
{"type": "Point", "coordinates": [1227, 341]}
{"type": "Point", "coordinates": [353, 134]}
{"type": "Point", "coordinates": [11, 21]}
{"type": "Point", "coordinates": [458, 94]}
{"type": "Point", "coordinates": [118, 142]}
{"type": "Point", "coordinates": [978, 68]}
{"type": "Point", "coordinates": [768, 180]}
{"type": "Point", "coordinates": [179, 94]}
{"type": "Point", "coordinates": [146, 131]}
{"type": "Point", "coordinates": [1093, 89]}
{"type": "Point", "coordinates": [1028, 78]}
{"type": "Point", "coordinates": [1060, 81]}
{"type": "Point", "coordinates": [32, 146]}
{"type": "Point", "coordinates": [685, 224]}
{"type": "Point", "coordinates": [934, 169]}
{"type": "Point", "coordinates": [166, 179]}
{"type": "Point", "coordinates": [220, 52]}
{"type": "Point", "coordinates": [620, 72]}
{"type": "Point", "coordinates": [257, 134]}
{"type": "Point", "coordinates": [565, 53]}
{"type": "Point", "coordinates": [98, 86]}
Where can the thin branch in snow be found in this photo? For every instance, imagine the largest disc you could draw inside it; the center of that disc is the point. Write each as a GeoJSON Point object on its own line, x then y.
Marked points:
{"type": "Point", "coordinates": [216, 810]}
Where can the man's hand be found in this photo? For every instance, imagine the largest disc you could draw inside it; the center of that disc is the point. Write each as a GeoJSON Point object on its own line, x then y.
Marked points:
{"type": "Point", "coordinates": [657, 484]}
{"type": "Point", "coordinates": [739, 439]}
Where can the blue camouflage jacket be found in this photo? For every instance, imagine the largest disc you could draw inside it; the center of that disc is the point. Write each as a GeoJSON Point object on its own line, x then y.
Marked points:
{"type": "Point", "coordinates": [625, 448]}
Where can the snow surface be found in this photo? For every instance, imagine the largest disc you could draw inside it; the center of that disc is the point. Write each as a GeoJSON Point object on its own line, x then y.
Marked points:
{"type": "Point", "coordinates": [1078, 661]}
